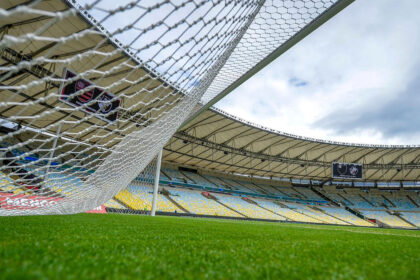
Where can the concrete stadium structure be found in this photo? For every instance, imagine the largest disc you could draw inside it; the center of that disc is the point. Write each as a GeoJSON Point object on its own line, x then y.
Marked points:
{"type": "Point", "coordinates": [214, 165]}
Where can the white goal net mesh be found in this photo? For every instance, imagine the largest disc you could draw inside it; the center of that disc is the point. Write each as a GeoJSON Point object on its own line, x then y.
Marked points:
{"type": "Point", "coordinates": [91, 90]}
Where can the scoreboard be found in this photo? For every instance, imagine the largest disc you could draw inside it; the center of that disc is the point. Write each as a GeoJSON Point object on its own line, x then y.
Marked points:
{"type": "Point", "coordinates": [347, 170]}
{"type": "Point", "coordinates": [102, 104]}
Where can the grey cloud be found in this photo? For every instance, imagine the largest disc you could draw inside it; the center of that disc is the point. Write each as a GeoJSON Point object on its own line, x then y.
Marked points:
{"type": "Point", "coordinates": [398, 117]}
{"type": "Point", "coordinates": [367, 53]}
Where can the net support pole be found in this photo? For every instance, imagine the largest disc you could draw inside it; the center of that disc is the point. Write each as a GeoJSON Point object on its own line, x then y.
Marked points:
{"type": "Point", "coordinates": [156, 186]}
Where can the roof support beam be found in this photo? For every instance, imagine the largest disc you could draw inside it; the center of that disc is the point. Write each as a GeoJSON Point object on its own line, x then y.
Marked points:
{"type": "Point", "coordinates": [222, 129]}
{"type": "Point", "coordinates": [333, 149]}
{"type": "Point", "coordinates": [281, 159]}
{"type": "Point", "coordinates": [247, 170]}
{"type": "Point", "coordinates": [200, 123]}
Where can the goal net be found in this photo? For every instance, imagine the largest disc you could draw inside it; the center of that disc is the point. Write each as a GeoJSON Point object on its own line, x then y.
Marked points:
{"type": "Point", "coordinates": [91, 90]}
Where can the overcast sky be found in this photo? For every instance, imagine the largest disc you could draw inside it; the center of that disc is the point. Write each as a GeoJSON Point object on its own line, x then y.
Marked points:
{"type": "Point", "coordinates": [355, 79]}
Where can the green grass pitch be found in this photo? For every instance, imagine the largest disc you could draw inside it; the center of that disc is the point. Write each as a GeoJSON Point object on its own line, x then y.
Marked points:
{"type": "Point", "coordinates": [114, 246]}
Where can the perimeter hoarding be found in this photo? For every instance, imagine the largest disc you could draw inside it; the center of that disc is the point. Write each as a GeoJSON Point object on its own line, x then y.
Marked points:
{"type": "Point", "coordinates": [9, 201]}
{"type": "Point", "coordinates": [98, 210]}
{"type": "Point", "coordinates": [347, 170]}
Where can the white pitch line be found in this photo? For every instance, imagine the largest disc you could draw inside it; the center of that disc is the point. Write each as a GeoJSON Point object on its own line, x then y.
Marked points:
{"type": "Point", "coordinates": [356, 231]}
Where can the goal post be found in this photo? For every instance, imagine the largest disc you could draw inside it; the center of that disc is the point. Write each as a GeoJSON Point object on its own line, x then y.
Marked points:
{"type": "Point", "coordinates": [91, 90]}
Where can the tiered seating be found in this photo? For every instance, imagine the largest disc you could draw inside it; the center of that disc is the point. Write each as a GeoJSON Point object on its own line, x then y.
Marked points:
{"type": "Point", "coordinates": [114, 204]}
{"type": "Point", "coordinates": [357, 201]}
{"type": "Point", "coordinates": [177, 176]}
{"type": "Point", "coordinates": [164, 205]}
{"type": "Point", "coordinates": [308, 193]}
{"type": "Point", "coordinates": [241, 186]}
{"type": "Point", "coordinates": [248, 209]}
{"type": "Point", "coordinates": [400, 200]}
{"type": "Point", "coordinates": [286, 212]}
{"type": "Point", "coordinates": [270, 206]}
{"type": "Point", "coordinates": [325, 217]}
{"type": "Point", "coordinates": [289, 192]}
{"type": "Point", "coordinates": [377, 199]}
{"type": "Point", "coordinates": [6, 184]}
{"type": "Point", "coordinates": [386, 218]}
{"type": "Point", "coordinates": [322, 217]}
{"type": "Point", "coordinates": [415, 197]}
{"type": "Point", "coordinates": [162, 176]}
{"type": "Point", "coordinates": [199, 180]}
{"type": "Point", "coordinates": [58, 182]}
{"type": "Point", "coordinates": [150, 173]}
{"type": "Point", "coordinates": [226, 183]}
{"type": "Point", "coordinates": [140, 198]}
{"type": "Point", "coordinates": [270, 189]}
{"type": "Point", "coordinates": [345, 215]}
{"type": "Point", "coordinates": [412, 217]}
{"type": "Point", "coordinates": [133, 200]}
{"type": "Point", "coordinates": [254, 189]}
{"type": "Point", "coordinates": [335, 196]}
{"type": "Point", "coordinates": [63, 183]}
{"type": "Point", "coordinates": [222, 184]}
{"type": "Point", "coordinates": [196, 203]}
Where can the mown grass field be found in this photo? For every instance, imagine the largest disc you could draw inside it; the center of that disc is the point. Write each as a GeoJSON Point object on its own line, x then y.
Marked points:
{"type": "Point", "coordinates": [115, 246]}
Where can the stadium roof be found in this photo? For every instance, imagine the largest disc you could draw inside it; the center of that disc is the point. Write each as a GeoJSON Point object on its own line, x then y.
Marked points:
{"type": "Point", "coordinates": [212, 140]}
{"type": "Point", "coordinates": [221, 142]}
{"type": "Point", "coordinates": [73, 44]}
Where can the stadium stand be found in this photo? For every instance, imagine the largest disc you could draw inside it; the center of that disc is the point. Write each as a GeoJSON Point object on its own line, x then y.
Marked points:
{"type": "Point", "coordinates": [164, 177]}
{"type": "Point", "coordinates": [400, 200]}
{"type": "Point", "coordinates": [346, 216]}
{"type": "Point", "coordinates": [415, 198]}
{"type": "Point", "coordinates": [269, 189]}
{"type": "Point", "coordinates": [308, 193]}
{"type": "Point", "coordinates": [200, 180]}
{"type": "Point", "coordinates": [255, 188]}
{"type": "Point", "coordinates": [378, 200]}
{"type": "Point", "coordinates": [196, 203]}
{"type": "Point", "coordinates": [412, 217]}
{"type": "Point", "coordinates": [138, 197]}
{"type": "Point", "coordinates": [219, 183]}
{"type": "Point", "coordinates": [359, 201]}
{"type": "Point", "coordinates": [289, 213]}
{"type": "Point", "coordinates": [296, 203]}
{"type": "Point", "coordinates": [386, 218]}
{"type": "Point", "coordinates": [133, 201]}
{"type": "Point", "coordinates": [62, 183]}
{"type": "Point", "coordinates": [177, 176]}
{"type": "Point", "coordinates": [289, 192]}
{"type": "Point", "coordinates": [112, 203]}
{"type": "Point", "coordinates": [315, 214]}
{"type": "Point", "coordinates": [249, 209]}
{"type": "Point", "coordinates": [58, 182]}
{"type": "Point", "coordinates": [351, 197]}
{"type": "Point", "coordinates": [323, 216]}
{"type": "Point", "coordinates": [6, 184]}
{"type": "Point", "coordinates": [238, 185]}
{"type": "Point", "coordinates": [337, 196]}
